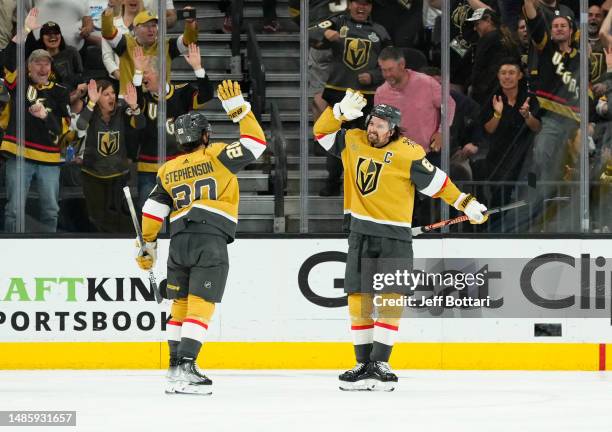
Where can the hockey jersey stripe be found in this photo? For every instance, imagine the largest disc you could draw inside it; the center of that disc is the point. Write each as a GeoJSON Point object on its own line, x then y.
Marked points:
{"type": "Point", "coordinates": [380, 221]}
{"type": "Point", "coordinates": [150, 216]}
{"type": "Point", "coordinates": [200, 323]}
{"type": "Point", "coordinates": [326, 140]}
{"type": "Point", "coordinates": [385, 333]}
{"type": "Point", "coordinates": [155, 210]}
{"type": "Point", "coordinates": [362, 336]}
{"type": "Point", "coordinates": [253, 144]}
{"type": "Point", "coordinates": [436, 184]}
{"type": "Point", "coordinates": [47, 158]}
{"type": "Point", "coordinates": [173, 332]}
{"type": "Point", "coordinates": [385, 325]}
{"type": "Point", "coordinates": [362, 327]}
{"type": "Point", "coordinates": [194, 329]}
{"type": "Point", "coordinates": [34, 145]}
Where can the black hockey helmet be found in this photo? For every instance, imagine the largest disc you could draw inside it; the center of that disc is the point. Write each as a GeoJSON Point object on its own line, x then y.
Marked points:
{"type": "Point", "coordinates": [385, 112]}
{"type": "Point", "coordinates": [188, 129]}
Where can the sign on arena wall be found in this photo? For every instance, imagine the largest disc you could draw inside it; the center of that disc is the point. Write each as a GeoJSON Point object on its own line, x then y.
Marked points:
{"type": "Point", "coordinates": [277, 290]}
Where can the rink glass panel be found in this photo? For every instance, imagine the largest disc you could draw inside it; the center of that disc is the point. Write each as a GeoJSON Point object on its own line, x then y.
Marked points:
{"type": "Point", "coordinates": [576, 199]}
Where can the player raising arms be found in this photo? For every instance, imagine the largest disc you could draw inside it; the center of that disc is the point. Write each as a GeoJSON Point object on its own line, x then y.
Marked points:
{"type": "Point", "coordinates": [381, 171]}
{"type": "Point", "coordinates": [199, 190]}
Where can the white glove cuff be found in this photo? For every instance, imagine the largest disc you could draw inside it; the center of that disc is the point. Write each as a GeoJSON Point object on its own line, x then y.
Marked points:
{"type": "Point", "coordinates": [337, 112]}
{"type": "Point", "coordinates": [245, 111]}
{"type": "Point", "coordinates": [461, 197]}
{"type": "Point", "coordinates": [233, 102]}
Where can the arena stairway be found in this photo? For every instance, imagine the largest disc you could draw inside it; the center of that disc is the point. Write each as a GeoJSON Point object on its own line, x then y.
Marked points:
{"type": "Point", "coordinates": [280, 56]}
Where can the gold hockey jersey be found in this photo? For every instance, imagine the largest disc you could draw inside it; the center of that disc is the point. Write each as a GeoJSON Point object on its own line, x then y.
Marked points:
{"type": "Point", "coordinates": [202, 186]}
{"type": "Point", "coordinates": [380, 183]}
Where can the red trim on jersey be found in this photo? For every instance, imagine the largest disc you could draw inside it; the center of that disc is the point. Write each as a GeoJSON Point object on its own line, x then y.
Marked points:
{"type": "Point", "coordinates": [175, 323]}
{"type": "Point", "coordinates": [318, 137]}
{"type": "Point", "coordinates": [192, 321]}
{"type": "Point", "coordinates": [437, 194]}
{"type": "Point", "coordinates": [33, 145]}
{"type": "Point", "coordinates": [387, 326]}
{"type": "Point", "coordinates": [362, 327]}
{"type": "Point", "coordinates": [262, 142]}
{"type": "Point", "coordinates": [155, 218]}
{"type": "Point", "coordinates": [602, 357]}
{"type": "Point", "coordinates": [557, 99]}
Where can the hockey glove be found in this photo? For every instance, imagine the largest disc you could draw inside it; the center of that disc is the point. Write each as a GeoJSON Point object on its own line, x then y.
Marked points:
{"type": "Point", "coordinates": [349, 108]}
{"type": "Point", "coordinates": [146, 256]}
{"type": "Point", "coordinates": [476, 212]}
{"type": "Point", "coordinates": [230, 95]}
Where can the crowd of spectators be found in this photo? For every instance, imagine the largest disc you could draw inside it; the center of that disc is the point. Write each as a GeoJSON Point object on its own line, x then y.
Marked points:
{"type": "Point", "coordinates": [513, 107]}
{"type": "Point", "coordinates": [513, 110]}
{"type": "Point", "coordinates": [99, 122]}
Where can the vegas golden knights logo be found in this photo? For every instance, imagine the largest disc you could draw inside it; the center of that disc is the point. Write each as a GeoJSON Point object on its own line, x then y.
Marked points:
{"type": "Point", "coordinates": [597, 66]}
{"type": "Point", "coordinates": [356, 52]}
{"type": "Point", "coordinates": [152, 110]}
{"type": "Point", "coordinates": [108, 143]}
{"type": "Point", "coordinates": [31, 94]}
{"type": "Point", "coordinates": [368, 173]}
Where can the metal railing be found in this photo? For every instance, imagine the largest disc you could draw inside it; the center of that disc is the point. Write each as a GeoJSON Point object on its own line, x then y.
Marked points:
{"type": "Point", "coordinates": [552, 208]}
{"type": "Point", "coordinates": [279, 147]}
{"type": "Point", "coordinates": [236, 16]}
{"type": "Point", "coordinates": [256, 74]}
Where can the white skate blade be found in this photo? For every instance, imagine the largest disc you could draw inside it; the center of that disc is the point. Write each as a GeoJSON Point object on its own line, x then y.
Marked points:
{"type": "Point", "coordinates": [387, 386]}
{"type": "Point", "coordinates": [361, 385]}
{"type": "Point", "coordinates": [186, 388]}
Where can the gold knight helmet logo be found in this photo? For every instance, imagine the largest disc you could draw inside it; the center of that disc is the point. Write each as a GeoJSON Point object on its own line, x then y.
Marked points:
{"type": "Point", "coordinates": [356, 52]}
{"type": "Point", "coordinates": [108, 143]}
{"type": "Point", "coordinates": [368, 173]}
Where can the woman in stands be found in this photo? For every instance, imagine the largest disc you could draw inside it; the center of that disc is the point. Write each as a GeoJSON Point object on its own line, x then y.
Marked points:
{"type": "Point", "coordinates": [105, 158]}
{"type": "Point", "coordinates": [67, 64]}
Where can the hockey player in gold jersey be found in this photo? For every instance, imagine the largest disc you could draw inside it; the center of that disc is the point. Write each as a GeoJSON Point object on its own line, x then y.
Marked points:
{"type": "Point", "coordinates": [382, 170]}
{"type": "Point", "coordinates": [199, 192]}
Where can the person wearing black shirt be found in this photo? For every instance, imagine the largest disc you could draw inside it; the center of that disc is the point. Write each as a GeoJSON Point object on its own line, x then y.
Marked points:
{"type": "Point", "coordinates": [510, 120]}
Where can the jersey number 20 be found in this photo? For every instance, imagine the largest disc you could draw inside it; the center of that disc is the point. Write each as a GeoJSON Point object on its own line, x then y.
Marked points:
{"type": "Point", "coordinates": [182, 194]}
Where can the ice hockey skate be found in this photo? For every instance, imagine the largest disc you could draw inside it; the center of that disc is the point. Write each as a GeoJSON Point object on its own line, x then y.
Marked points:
{"type": "Point", "coordinates": [381, 378]}
{"type": "Point", "coordinates": [189, 380]}
{"type": "Point", "coordinates": [171, 375]}
{"type": "Point", "coordinates": [356, 379]}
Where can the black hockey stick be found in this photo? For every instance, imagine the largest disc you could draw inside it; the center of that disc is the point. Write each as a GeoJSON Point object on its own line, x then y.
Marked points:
{"type": "Point", "coordinates": [152, 281]}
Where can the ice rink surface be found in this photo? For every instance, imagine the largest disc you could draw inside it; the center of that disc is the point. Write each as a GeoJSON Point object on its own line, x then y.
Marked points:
{"type": "Point", "coordinates": [289, 401]}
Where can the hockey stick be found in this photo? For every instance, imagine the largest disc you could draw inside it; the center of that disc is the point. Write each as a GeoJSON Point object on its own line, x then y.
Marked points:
{"type": "Point", "coordinates": [152, 281]}
{"type": "Point", "coordinates": [427, 228]}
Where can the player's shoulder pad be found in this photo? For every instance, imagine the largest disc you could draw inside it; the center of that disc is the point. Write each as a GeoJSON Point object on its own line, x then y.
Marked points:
{"type": "Point", "coordinates": [413, 149]}
{"type": "Point", "coordinates": [356, 133]}
{"type": "Point", "coordinates": [216, 148]}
